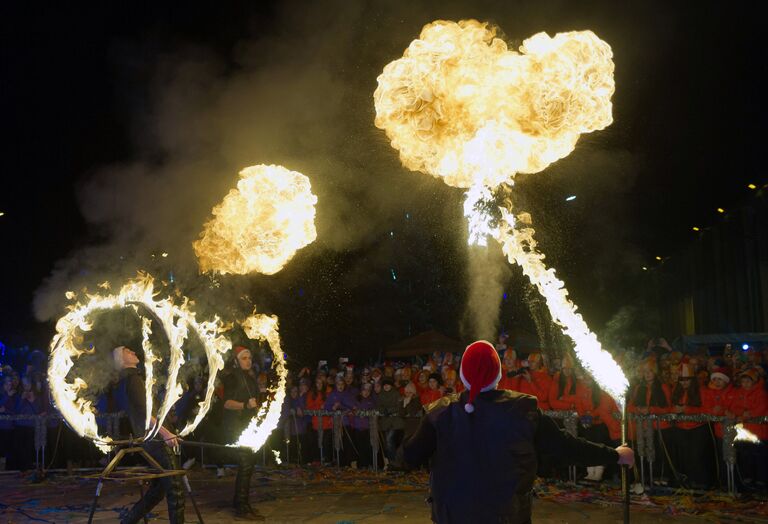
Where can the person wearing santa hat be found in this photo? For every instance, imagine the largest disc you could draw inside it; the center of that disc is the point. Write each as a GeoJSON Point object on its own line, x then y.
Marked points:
{"type": "Point", "coordinates": [716, 399]}
{"type": "Point", "coordinates": [241, 402]}
{"type": "Point", "coordinates": [482, 446]}
{"type": "Point", "coordinates": [130, 394]}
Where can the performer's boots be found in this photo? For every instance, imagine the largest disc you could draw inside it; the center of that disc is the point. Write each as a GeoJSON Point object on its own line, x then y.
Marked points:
{"type": "Point", "coordinates": [243, 487]}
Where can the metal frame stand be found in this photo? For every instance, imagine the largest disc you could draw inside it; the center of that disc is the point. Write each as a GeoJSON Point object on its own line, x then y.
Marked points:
{"type": "Point", "coordinates": [155, 471]}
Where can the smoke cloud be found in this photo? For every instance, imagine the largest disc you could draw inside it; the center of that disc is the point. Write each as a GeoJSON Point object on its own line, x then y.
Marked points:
{"type": "Point", "coordinates": [488, 273]}
{"type": "Point", "coordinates": [297, 94]}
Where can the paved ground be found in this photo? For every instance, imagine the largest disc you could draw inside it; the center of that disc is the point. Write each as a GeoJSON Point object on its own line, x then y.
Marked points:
{"type": "Point", "coordinates": [287, 496]}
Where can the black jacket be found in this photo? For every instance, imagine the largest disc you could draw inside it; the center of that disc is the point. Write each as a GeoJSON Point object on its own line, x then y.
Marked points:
{"type": "Point", "coordinates": [240, 386]}
{"type": "Point", "coordinates": [483, 464]}
{"type": "Point", "coordinates": [130, 396]}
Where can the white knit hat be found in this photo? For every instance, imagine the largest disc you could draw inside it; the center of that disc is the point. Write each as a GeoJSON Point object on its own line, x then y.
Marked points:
{"type": "Point", "coordinates": [117, 357]}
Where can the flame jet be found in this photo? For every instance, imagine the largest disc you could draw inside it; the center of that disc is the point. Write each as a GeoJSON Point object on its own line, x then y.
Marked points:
{"type": "Point", "coordinates": [260, 225]}
{"type": "Point", "coordinates": [463, 107]}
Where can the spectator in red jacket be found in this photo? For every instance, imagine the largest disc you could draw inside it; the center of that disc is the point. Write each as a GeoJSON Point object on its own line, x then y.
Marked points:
{"type": "Point", "coordinates": [422, 381]}
{"type": "Point", "coordinates": [717, 396]}
{"type": "Point", "coordinates": [432, 392]}
{"type": "Point", "coordinates": [749, 401]}
{"type": "Point", "coordinates": [716, 399]}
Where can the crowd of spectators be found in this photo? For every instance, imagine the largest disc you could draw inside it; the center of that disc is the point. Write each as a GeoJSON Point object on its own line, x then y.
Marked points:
{"type": "Point", "coordinates": [727, 382]}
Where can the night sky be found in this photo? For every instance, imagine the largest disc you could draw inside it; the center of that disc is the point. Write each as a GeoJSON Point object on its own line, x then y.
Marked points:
{"type": "Point", "coordinates": [124, 126]}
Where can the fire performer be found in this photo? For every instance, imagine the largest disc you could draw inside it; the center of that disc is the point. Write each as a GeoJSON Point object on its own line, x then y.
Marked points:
{"type": "Point", "coordinates": [131, 398]}
{"type": "Point", "coordinates": [482, 446]}
{"type": "Point", "coordinates": [241, 402]}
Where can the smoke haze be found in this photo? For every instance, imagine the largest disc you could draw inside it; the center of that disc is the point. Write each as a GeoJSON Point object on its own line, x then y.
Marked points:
{"type": "Point", "coordinates": [297, 94]}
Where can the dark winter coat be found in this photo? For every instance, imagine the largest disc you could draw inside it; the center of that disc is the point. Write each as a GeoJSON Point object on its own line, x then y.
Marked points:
{"type": "Point", "coordinates": [483, 464]}
{"type": "Point", "coordinates": [389, 403]}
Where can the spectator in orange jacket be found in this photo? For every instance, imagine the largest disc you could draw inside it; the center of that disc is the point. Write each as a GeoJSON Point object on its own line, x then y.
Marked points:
{"type": "Point", "coordinates": [535, 380]}
{"type": "Point", "coordinates": [316, 401]}
{"type": "Point", "coordinates": [509, 367]}
{"type": "Point", "coordinates": [649, 396]}
{"type": "Point", "coordinates": [591, 424]}
{"type": "Point", "coordinates": [691, 444]}
{"type": "Point", "coordinates": [562, 389]}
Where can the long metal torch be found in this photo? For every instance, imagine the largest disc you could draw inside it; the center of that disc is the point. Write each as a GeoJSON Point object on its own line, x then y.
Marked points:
{"type": "Point", "coordinates": [624, 467]}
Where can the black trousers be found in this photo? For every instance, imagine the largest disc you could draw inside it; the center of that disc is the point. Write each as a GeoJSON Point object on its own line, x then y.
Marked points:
{"type": "Point", "coordinates": [246, 460]}
{"type": "Point", "coordinates": [752, 460]}
{"type": "Point", "coordinates": [692, 454]}
{"type": "Point", "coordinates": [171, 488]}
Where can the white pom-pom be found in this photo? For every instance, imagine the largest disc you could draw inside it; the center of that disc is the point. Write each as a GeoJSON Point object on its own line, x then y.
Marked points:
{"type": "Point", "coordinates": [469, 408]}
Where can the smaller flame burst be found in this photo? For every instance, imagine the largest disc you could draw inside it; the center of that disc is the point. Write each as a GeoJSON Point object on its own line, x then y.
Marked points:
{"type": "Point", "coordinates": [260, 225]}
{"type": "Point", "coordinates": [744, 435]}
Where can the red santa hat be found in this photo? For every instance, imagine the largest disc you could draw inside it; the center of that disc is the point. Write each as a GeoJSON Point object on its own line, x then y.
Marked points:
{"type": "Point", "coordinates": [240, 349]}
{"type": "Point", "coordinates": [480, 370]}
{"type": "Point", "coordinates": [720, 373]}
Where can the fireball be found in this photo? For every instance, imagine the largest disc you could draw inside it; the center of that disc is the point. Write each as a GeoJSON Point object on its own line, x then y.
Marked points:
{"type": "Point", "coordinates": [461, 106]}
{"type": "Point", "coordinates": [260, 225]}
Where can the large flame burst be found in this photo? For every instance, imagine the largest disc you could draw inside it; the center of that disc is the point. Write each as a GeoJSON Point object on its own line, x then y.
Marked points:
{"type": "Point", "coordinates": [260, 225]}
{"type": "Point", "coordinates": [461, 106]}
{"type": "Point", "coordinates": [265, 328]}
{"type": "Point", "coordinates": [176, 320]}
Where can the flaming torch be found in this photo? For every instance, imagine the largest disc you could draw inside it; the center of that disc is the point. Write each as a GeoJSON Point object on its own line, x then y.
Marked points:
{"type": "Point", "coordinates": [260, 225]}
{"type": "Point", "coordinates": [264, 328]}
{"type": "Point", "coordinates": [463, 107]}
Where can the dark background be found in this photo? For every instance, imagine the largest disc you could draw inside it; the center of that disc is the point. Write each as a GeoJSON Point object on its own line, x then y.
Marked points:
{"type": "Point", "coordinates": [79, 85]}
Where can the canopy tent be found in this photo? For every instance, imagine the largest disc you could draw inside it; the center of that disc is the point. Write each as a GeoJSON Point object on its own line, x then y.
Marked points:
{"type": "Point", "coordinates": [424, 344]}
